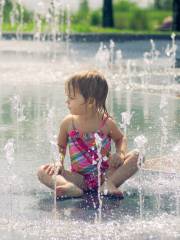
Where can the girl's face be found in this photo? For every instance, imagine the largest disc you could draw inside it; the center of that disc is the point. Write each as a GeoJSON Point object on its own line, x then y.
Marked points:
{"type": "Point", "coordinates": [76, 103]}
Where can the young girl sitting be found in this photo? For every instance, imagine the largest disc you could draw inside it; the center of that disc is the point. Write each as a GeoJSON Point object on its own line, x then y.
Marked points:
{"type": "Point", "coordinates": [86, 100]}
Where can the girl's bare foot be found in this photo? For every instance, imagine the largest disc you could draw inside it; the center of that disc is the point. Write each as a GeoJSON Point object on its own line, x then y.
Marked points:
{"type": "Point", "coordinates": [109, 189]}
{"type": "Point", "coordinates": [68, 190]}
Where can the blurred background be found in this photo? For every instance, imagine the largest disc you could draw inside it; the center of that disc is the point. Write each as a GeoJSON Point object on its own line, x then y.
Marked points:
{"type": "Point", "coordinates": [121, 16]}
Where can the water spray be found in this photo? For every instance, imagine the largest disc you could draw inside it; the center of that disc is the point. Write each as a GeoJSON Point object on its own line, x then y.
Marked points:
{"type": "Point", "coordinates": [126, 120]}
{"type": "Point", "coordinates": [98, 141]}
{"type": "Point", "coordinates": [140, 142]}
{"type": "Point", "coordinates": [9, 153]}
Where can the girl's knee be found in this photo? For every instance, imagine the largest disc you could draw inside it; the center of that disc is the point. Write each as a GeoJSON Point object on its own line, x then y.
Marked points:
{"type": "Point", "coordinates": [41, 172]}
{"type": "Point", "coordinates": [134, 154]}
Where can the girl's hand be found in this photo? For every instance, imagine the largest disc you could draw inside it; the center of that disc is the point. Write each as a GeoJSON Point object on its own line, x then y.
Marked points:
{"type": "Point", "coordinates": [51, 169]}
{"type": "Point", "coordinates": [116, 160]}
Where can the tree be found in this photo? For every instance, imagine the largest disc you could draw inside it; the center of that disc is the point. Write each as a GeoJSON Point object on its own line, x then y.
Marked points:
{"type": "Point", "coordinates": [176, 15]}
{"type": "Point", "coordinates": [108, 20]}
{"type": "Point", "coordinates": [83, 12]}
{"type": "Point", "coordinates": [6, 10]}
{"type": "Point", "coordinates": [84, 7]}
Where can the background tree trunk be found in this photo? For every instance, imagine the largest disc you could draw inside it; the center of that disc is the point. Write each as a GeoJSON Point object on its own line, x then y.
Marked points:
{"type": "Point", "coordinates": [176, 15]}
{"type": "Point", "coordinates": [108, 20]}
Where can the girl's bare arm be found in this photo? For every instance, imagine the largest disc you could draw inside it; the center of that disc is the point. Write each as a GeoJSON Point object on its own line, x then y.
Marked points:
{"type": "Point", "coordinates": [58, 167]}
{"type": "Point", "coordinates": [120, 142]}
{"type": "Point", "coordinates": [63, 137]}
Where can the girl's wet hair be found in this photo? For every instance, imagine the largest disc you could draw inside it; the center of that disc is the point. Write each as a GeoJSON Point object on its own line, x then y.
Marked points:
{"type": "Point", "coordinates": [91, 85]}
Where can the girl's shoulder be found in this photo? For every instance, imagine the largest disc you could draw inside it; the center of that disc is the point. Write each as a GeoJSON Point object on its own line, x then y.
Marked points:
{"type": "Point", "coordinates": [110, 123]}
{"type": "Point", "coordinates": [107, 119]}
{"type": "Point", "coordinates": [67, 121]}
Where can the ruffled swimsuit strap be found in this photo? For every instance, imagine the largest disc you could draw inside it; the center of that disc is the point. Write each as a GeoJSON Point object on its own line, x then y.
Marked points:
{"type": "Point", "coordinates": [72, 123]}
{"type": "Point", "coordinates": [103, 122]}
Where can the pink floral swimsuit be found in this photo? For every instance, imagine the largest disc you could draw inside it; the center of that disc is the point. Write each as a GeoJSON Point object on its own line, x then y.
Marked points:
{"type": "Point", "coordinates": [84, 156]}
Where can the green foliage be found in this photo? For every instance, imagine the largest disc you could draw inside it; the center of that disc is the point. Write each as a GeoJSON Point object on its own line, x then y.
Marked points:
{"type": "Point", "coordinates": [96, 18]}
{"type": "Point", "coordinates": [139, 20]}
{"type": "Point", "coordinates": [7, 9]}
{"type": "Point", "coordinates": [83, 9]}
{"type": "Point", "coordinates": [122, 20]}
{"type": "Point", "coordinates": [84, 6]}
{"type": "Point", "coordinates": [83, 14]}
{"type": "Point", "coordinates": [124, 6]}
{"type": "Point", "coordinates": [163, 4]}
{"type": "Point", "coordinates": [128, 16]}
{"type": "Point", "coordinates": [27, 16]}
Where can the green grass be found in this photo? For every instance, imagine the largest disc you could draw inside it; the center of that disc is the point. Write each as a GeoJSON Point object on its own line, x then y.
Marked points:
{"type": "Point", "coordinates": [28, 27]}
{"type": "Point", "coordinates": [79, 28]}
{"type": "Point", "coordinates": [84, 28]}
{"type": "Point", "coordinates": [92, 29]}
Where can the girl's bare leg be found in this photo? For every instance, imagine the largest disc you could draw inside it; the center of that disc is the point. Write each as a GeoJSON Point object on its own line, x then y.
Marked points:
{"type": "Point", "coordinates": [68, 184]}
{"type": "Point", "coordinates": [116, 177]}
